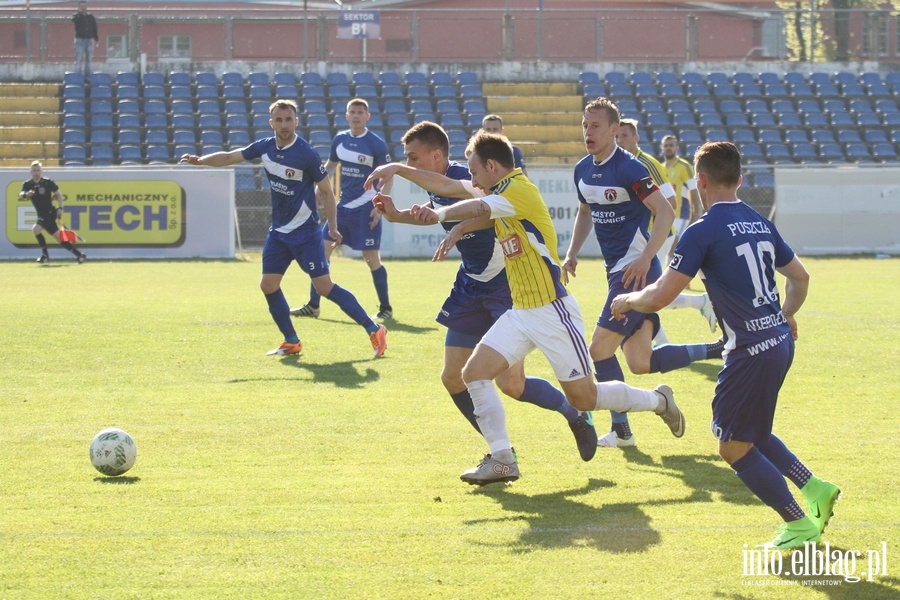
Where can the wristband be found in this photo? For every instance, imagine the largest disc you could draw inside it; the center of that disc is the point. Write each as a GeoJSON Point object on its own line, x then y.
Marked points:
{"type": "Point", "coordinates": [441, 215]}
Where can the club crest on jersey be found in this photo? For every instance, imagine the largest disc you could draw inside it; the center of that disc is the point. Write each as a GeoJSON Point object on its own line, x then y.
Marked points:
{"type": "Point", "coordinates": [609, 195]}
{"type": "Point", "coordinates": [289, 173]}
{"type": "Point", "coordinates": [361, 158]}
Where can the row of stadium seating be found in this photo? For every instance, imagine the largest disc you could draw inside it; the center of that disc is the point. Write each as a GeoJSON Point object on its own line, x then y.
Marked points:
{"type": "Point", "coordinates": [773, 129]}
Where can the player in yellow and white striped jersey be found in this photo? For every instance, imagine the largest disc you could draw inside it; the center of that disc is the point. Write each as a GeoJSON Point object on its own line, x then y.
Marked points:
{"type": "Point", "coordinates": [544, 315]}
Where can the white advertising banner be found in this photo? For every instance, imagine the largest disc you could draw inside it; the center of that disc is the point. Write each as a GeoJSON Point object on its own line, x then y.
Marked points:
{"type": "Point", "coordinates": [833, 210]}
{"type": "Point", "coordinates": [167, 212]}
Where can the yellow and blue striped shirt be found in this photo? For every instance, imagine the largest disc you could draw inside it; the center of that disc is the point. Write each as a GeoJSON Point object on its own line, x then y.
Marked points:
{"type": "Point", "coordinates": [527, 237]}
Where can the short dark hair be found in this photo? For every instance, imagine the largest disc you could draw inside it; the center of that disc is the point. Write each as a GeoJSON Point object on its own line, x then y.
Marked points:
{"type": "Point", "coordinates": [491, 146]}
{"type": "Point", "coordinates": [720, 161]}
{"type": "Point", "coordinates": [282, 103]}
{"type": "Point", "coordinates": [492, 117]}
{"type": "Point", "coordinates": [606, 105]}
{"type": "Point", "coordinates": [430, 134]}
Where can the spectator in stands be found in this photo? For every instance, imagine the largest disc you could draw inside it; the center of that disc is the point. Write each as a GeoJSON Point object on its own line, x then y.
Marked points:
{"type": "Point", "coordinates": [85, 38]}
{"type": "Point", "coordinates": [494, 124]}
{"type": "Point", "coordinates": [298, 180]}
{"type": "Point", "coordinates": [617, 196]}
{"type": "Point", "coordinates": [358, 152]}
{"type": "Point", "coordinates": [42, 192]}
{"type": "Point", "coordinates": [681, 173]}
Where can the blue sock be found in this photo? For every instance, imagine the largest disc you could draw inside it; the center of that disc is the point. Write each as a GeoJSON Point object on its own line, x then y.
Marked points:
{"type": "Point", "coordinates": [669, 357]}
{"type": "Point", "coordinates": [785, 460]}
{"type": "Point", "coordinates": [314, 297]}
{"type": "Point", "coordinates": [351, 307]}
{"type": "Point", "coordinates": [609, 369]}
{"type": "Point", "coordinates": [764, 480]}
{"type": "Point", "coordinates": [281, 313]}
{"type": "Point", "coordinates": [379, 277]}
{"type": "Point", "coordinates": [541, 392]}
{"type": "Point", "coordinates": [463, 402]}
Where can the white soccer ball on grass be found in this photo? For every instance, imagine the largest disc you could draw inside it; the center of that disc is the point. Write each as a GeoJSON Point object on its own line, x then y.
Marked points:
{"type": "Point", "coordinates": [113, 451]}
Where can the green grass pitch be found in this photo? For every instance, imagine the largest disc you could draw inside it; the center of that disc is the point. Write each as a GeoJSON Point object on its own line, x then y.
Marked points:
{"type": "Point", "coordinates": [333, 475]}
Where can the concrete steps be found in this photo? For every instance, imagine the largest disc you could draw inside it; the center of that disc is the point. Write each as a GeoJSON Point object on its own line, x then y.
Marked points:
{"type": "Point", "coordinates": [542, 119]}
{"type": "Point", "coordinates": [29, 123]}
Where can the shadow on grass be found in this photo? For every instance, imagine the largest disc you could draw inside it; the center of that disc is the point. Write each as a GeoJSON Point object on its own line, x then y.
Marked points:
{"type": "Point", "coordinates": [835, 586]}
{"type": "Point", "coordinates": [707, 475]}
{"type": "Point", "coordinates": [342, 374]}
{"type": "Point", "coordinates": [120, 480]}
{"type": "Point", "coordinates": [391, 324]}
{"type": "Point", "coordinates": [709, 369]}
{"type": "Point", "coordinates": [556, 520]}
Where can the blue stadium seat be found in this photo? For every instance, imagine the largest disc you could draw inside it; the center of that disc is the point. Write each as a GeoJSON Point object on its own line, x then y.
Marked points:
{"type": "Point", "coordinates": [886, 106]}
{"type": "Point", "coordinates": [469, 77]}
{"type": "Point", "coordinates": [667, 78]}
{"type": "Point", "coordinates": [103, 121]}
{"type": "Point", "coordinates": [101, 154]}
{"type": "Point", "coordinates": [749, 90]}
{"type": "Point", "coordinates": [764, 180]}
{"type": "Point", "coordinates": [258, 78]}
{"type": "Point", "coordinates": [283, 91]}
{"type": "Point", "coordinates": [286, 78]}
{"type": "Point", "coordinates": [128, 91]}
{"type": "Point", "coordinates": [238, 138]}
{"type": "Point", "coordinates": [890, 119]}
{"type": "Point", "coordinates": [723, 90]}
{"type": "Point", "coordinates": [74, 120]}
{"type": "Point", "coordinates": [73, 153]}
{"type": "Point", "coordinates": [705, 106]}
{"type": "Point", "coordinates": [236, 120]}
{"type": "Point", "coordinates": [805, 153]}
{"type": "Point", "coordinates": [790, 119]}
{"type": "Point", "coordinates": [420, 106]}
{"type": "Point", "coordinates": [447, 106]}
{"type": "Point", "coordinates": [101, 92]}
{"type": "Point", "coordinates": [184, 137]}
{"type": "Point", "coordinates": [775, 90]}
{"type": "Point", "coordinates": [319, 136]}
{"type": "Point", "coordinates": [157, 136]}
{"type": "Point", "coordinates": [178, 121]}
{"type": "Point", "coordinates": [731, 106]}
{"type": "Point", "coordinates": [884, 152]}
{"type": "Point", "coordinates": [182, 107]}
{"type": "Point", "coordinates": [234, 107]}
{"type": "Point", "coordinates": [846, 136]}
{"type": "Point", "coordinates": [398, 120]}
{"type": "Point", "coordinates": [73, 136]}
{"type": "Point", "coordinates": [763, 120]}
{"type": "Point", "coordinates": [128, 107]}
{"type": "Point", "coordinates": [815, 120]}
{"type": "Point", "coordinates": [457, 136]}
{"type": "Point", "coordinates": [471, 90]}
{"type": "Point", "coordinates": [834, 105]}
{"type": "Point", "coordinates": [871, 78]}
{"type": "Point", "coordinates": [131, 137]}
{"type": "Point", "coordinates": [101, 136]}
{"type": "Point", "coordinates": [74, 91]}
{"type": "Point", "coordinates": [180, 92]}
{"type": "Point", "coordinates": [594, 90]}
{"type": "Point", "coordinates": [130, 154]}
{"type": "Point", "coordinates": [474, 106]}
{"type": "Point", "coordinates": [340, 92]}
{"type": "Point", "coordinates": [796, 136]}
{"type": "Point", "coordinates": [769, 136]}
{"type": "Point", "coordinates": [262, 92]}
{"type": "Point", "coordinates": [743, 136]}
{"type": "Point", "coordinates": [875, 136]}
{"type": "Point", "coordinates": [180, 78]}
{"type": "Point", "coordinates": [154, 121]}
{"type": "Point", "coordinates": [830, 152]}
{"type": "Point", "coordinates": [855, 152]}
{"type": "Point", "coordinates": [395, 105]}
{"type": "Point", "coordinates": [366, 90]}
{"type": "Point", "coordinates": [641, 77]}
{"type": "Point", "coordinates": [233, 92]}
{"type": "Point", "coordinates": [751, 150]}
{"type": "Point", "coordinates": [311, 90]}
{"type": "Point", "coordinates": [716, 135]}
{"type": "Point", "coordinates": [363, 78]}
{"type": "Point", "coordinates": [98, 78]}
{"type": "Point", "coordinates": [389, 78]}
{"type": "Point", "coordinates": [206, 78]}
{"type": "Point", "coordinates": [615, 77]}
{"type": "Point", "coordinates": [211, 137]}
{"type": "Point", "coordinates": [158, 154]}
{"type": "Point", "coordinates": [441, 78]}
{"type": "Point", "coordinates": [210, 121]}
{"type": "Point", "coordinates": [154, 92]}
{"type": "Point", "coordinates": [819, 78]}
{"type": "Point", "coordinates": [777, 151]}
{"type": "Point", "coordinates": [588, 77]}
{"type": "Point", "coordinates": [444, 91]}
{"type": "Point", "coordinates": [418, 91]}
{"type": "Point", "coordinates": [824, 136]}
{"type": "Point", "coordinates": [101, 106]}
{"type": "Point", "coordinates": [415, 78]}
{"type": "Point", "coordinates": [73, 78]}
{"type": "Point", "coordinates": [646, 90]}
{"type": "Point", "coordinates": [260, 120]}
{"type": "Point", "coordinates": [618, 91]}
{"type": "Point", "coordinates": [657, 120]}
{"type": "Point", "coordinates": [680, 120]}
{"type": "Point", "coordinates": [671, 90]}
{"type": "Point", "coordinates": [207, 92]}
{"type": "Point", "coordinates": [808, 106]}
{"type": "Point", "coordinates": [693, 78]}
{"type": "Point", "coordinates": [420, 117]}
{"type": "Point", "coordinates": [678, 105]}
{"type": "Point", "coordinates": [827, 90]}
{"type": "Point", "coordinates": [879, 90]}
{"type": "Point", "coordinates": [743, 77]}
{"type": "Point", "coordinates": [451, 120]}
{"type": "Point", "coordinates": [232, 78]}
{"type": "Point", "coordinates": [710, 120]}
{"type": "Point", "coordinates": [336, 78]}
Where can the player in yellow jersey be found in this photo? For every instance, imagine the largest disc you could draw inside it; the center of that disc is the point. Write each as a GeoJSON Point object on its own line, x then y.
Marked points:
{"type": "Point", "coordinates": [544, 315]}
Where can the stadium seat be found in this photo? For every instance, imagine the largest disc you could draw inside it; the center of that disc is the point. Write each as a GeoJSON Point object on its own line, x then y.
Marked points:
{"type": "Point", "coordinates": [182, 107]}
{"type": "Point", "coordinates": [73, 78]}
{"type": "Point", "coordinates": [420, 106]}
{"type": "Point", "coordinates": [207, 92]}
{"type": "Point", "coordinates": [260, 121]}
{"type": "Point", "coordinates": [737, 120]}
{"type": "Point", "coordinates": [716, 135]}
{"type": "Point", "coordinates": [73, 136]}
{"type": "Point", "coordinates": [130, 137]}
{"type": "Point", "coordinates": [884, 152]}
{"type": "Point", "coordinates": [286, 78]}
{"type": "Point", "coordinates": [238, 138]}
{"type": "Point", "coordinates": [73, 153]}
{"type": "Point", "coordinates": [420, 117]}
{"type": "Point", "coordinates": [392, 91]}
{"type": "Point", "coordinates": [679, 105]}
{"type": "Point", "coordinates": [258, 78]}
{"type": "Point", "coordinates": [158, 154]}
{"type": "Point", "coordinates": [444, 91]}
{"type": "Point", "coordinates": [104, 121]}
{"type": "Point", "coordinates": [790, 119]}
{"type": "Point", "coordinates": [586, 78]}
{"type": "Point", "coordinates": [451, 120]}
{"type": "Point", "coordinates": [236, 120]}
{"type": "Point", "coordinates": [157, 136]}
{"type": "Point", "coordinates": [74, 91]}
{"type": "Point", "coordinates": [130, 153]}
{"type": "Point", "coordinates": [815, 120]}
{"type": "Point", "coordinates": [155, 121]}
{"type": "Point", "coordinates": [855, 152]}
{"type": "Point", "coordinates": [847, 136]}
{"type": "Point", "coordinates": [681, 120]}
{"type": "Point", "coordinates": [868, 120]}
{"type": "Point", "coordinates": [366, 90]}
{"type": "Point", "coordinates": [179, 78]}
{"type": "Point", "coordinates": [184, 137]}
{"type": "Point", "coordinates": [128, 107]}
{"type": "Point", "coordinates": [210, 121]}
{"type": "Point", "coordinates": [804, 153]}
{"type": "Point", "coordinates": [262, 92]}
{"type": "Point", "coordinates": [830, 152]}
{"type": "Point", "coordinates": [769, 136]}
{"type": "Point", "coordinates": [751, 150]}
{"type": "Point", "coordinates": [101, 154]}
{"type": "Point", "coordinates": [618, 91]}
{"type": "Point", "coordinates": [671, 90]}
{"type": "Point", "coordinates": [762, 120]}
{"type": "Point", "coordinates": [339, 92]}
{"type": "Point", "coordinates": [723, 90]}
{"type": "Point", "coordinates": [777, 151]}
{"type": "Point", "coordinates": [827, 90]}
{"type": "Point", "coordinates": [234, 107]}
{"type": "Point", "coordinates": [749, 90]}
{"type": "Point", "coordinates": [710, 120]}
{"type": "Point", "coordinates": [395, 105]}
{"type": "Point", "coordinates": [415, 78]}
{"type": "Point", "coordinates": [154, 92]}
{"type": "Point", "coordinates": [743, 77]}
{"type": "Point", "coordinates": [841, 120]}
{"type": "Point", "coordinates": [74, 120]}
{"type": "Point", "coordinates": [335, 78]}
{"type": "Point", "coordinates": [824, 136]}
{"type": "Point", "coordinates": [466, 77]}
{"type": "Point", "coordinates": [180, 92]}
{"type": "Point", "coordinates": [398, 120]}
{"type": "Point", "coordinates": [128, 91]}
{"type": "Point", "coordinates": [875, 136]}
{"type": "Point", "coordinates": [363, 78]}
{"type": "Point", "coordinates": [796, 136]}
{"type": "Point", "coordinates": [389, 78]}
{"type": "Point", "coordinates": [312, 90]}
{"type": "Point", "coordinates": [743, 136]}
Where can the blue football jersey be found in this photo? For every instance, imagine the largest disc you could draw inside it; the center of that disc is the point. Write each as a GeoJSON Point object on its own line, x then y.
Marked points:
{"type": "Point", "coordinates": [358, 157]}
{"type": "Point", "coordinates": [615, 190]}
{"type": "Point", "coordinates": [482, 258]}
{"type": "Point", "coordinates": [293, 172]}
{"type": "Point", "coordinates": [736, 251]}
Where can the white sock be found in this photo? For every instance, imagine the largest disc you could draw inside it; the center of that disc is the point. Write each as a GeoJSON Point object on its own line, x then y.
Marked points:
{"type": "Point", "coordinates": [621, 397]}
{"type": "Point", "coordinates": [687, 301]}
{"type": "Point", "coordinates": [490, 415]}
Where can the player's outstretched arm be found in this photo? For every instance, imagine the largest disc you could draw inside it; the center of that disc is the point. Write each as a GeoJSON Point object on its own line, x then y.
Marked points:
{"type": "Point", "coordinates": [653, 297]}
{"type": "Point", "coordinates": [216, 159]}
{"type": "Point", "coordinates": [581, 229]}
{"type": "Point", "coordinates": [427, 180]}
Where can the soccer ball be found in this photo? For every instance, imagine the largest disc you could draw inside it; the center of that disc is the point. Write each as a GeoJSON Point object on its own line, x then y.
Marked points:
{"type": "Point", "coordinates": [113, 451]}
